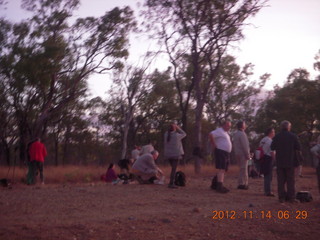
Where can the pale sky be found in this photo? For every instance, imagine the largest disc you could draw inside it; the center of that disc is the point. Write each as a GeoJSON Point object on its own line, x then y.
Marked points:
{"type": "Point", "coordinates": [285, 36]}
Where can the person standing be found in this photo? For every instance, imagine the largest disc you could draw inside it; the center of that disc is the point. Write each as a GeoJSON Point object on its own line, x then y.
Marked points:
{"type": "Point", "coordinates": [285, 144]}
{"type": "Point", "coordinates": [37, 153]}
{"type": "Point", "coordinates": [242, 154]}
{"type": "Point", "coordinates": [315, 150]}
{"type": "Point", "coordinates": [173, 149]}
{"type": "Point", "coordinates": [221, 147]}
{"type": "Point", "coordinates": [267, 161]}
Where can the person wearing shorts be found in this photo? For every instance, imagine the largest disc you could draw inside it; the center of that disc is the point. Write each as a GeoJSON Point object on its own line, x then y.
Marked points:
{"type": "Point", "coordinates": [221, 146]}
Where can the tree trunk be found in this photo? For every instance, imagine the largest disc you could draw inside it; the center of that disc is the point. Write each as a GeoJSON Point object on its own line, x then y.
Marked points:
{"type": "Point", "coordinates": [128, 119]}
{"type": "Point", "coordinates": [198, 137]}
{"type": "Point", "coordinates": [56, 151]}
{"type": "Point", "coordinates": [65, 146]}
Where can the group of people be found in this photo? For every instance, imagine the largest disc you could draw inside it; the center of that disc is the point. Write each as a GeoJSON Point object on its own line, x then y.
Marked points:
{"type": "Point", "coordinates": [143, 160]}
{"type": "Point", "coordinates": [282, 149]}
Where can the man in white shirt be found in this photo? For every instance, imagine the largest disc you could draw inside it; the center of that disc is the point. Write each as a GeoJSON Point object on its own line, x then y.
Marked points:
{"type": "Point", "coordinates": [135, 153]}
{"type": "Point", "coordinates": [221, 147]}
{"type": "Point", "coordinates": [267, 161]}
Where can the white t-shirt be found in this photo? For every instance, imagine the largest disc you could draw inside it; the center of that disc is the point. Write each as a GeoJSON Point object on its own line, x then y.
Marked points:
{"type": "Point", "coordinates": [265, 143]}
{"type": "Point", "coordinates": [222, 139]}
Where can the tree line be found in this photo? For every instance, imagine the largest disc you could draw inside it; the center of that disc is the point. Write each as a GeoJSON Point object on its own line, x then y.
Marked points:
{"type": "Point", "coordinates": [46, 60]}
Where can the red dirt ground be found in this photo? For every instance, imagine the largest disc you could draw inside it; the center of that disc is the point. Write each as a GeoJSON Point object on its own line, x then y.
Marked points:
{"type": "Point", "coordinates": [105, 211]}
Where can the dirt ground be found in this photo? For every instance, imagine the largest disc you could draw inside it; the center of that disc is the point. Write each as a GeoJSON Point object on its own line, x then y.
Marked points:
{"type": "Point", "coordinates": [105, 211]}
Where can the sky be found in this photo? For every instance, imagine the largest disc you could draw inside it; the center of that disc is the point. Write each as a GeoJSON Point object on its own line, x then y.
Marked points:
{"type": "Point", "coordinates": [283, 36]}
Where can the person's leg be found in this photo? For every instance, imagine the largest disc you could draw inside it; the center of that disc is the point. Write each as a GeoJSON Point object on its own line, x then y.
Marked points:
{"type": "Point", "coordinates": [40, 167]}
{"type": "Point", "coordinates": [243, 175]}
{"type": "Point", "coordinates": [290, 172]}
{"type": "Point", "coordinates": [222, 159]}
{"type": "Point", "coordinates": [318, 175]}
{"type": "Point", "coordinates": [174, 163]}
{"type": "Point", "coordinates": [267, 183]}
{"type": "Point", "coordinates": [220, 175]}
{"type": "Point", "coordinates": [31, 173]}
{"type": "Point", "coordinates": [281, 183]}
{"type": "Point", "coordinates": [240, 176]}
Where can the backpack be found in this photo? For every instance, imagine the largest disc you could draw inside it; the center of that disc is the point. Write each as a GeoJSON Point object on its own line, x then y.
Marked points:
{"type": "Point", "coordinates": [258, 154]}
{"type": "Point", "coordinates": [304, 196]}
{"type": "Point", "coordinates": [180, 179]}
{"type": "Point", "coordinates": [214, 183]}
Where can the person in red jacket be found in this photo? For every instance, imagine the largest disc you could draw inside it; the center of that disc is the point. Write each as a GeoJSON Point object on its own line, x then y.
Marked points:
{"type": "Point", "coordinates": [37, 153]}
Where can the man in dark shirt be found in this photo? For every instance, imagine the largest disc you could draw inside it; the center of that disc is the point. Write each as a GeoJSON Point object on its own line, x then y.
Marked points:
{"type": "Point", "coordinates": [286, 144]}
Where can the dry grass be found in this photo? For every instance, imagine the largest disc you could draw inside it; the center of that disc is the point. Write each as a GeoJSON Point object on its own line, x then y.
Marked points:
{"type": "Point", "coordinates": [88, 174]}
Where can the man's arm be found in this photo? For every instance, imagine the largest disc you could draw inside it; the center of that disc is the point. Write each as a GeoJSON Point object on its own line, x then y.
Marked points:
{"type": "Point", "coordinates": [212, 141]}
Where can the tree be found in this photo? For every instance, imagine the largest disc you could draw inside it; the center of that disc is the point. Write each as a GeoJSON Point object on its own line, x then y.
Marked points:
{"type": "Point", "coordinates": [46, 61]}
{"type": "Point", "coordinates": [132, 86]}
{"type": "Point", "coordinates": [204, 30]}
{"type": "Point", "coordinates": [233, 96]}
{"type": "Point", "coordinates": [296, 102]}
{"type": "Point", "coordinates": [139, 106]}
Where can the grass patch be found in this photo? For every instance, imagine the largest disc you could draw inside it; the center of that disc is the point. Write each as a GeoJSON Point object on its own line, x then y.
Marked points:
{"type": "Point", "coordinates": [87, 174]}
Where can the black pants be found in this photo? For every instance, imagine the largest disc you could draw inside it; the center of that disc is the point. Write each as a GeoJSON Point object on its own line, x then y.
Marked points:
{"type": "Point", "coordinates": [286, 179]}
{"type": "Point", "coordinates": [318, 174]}
{"type": "Point", "coordinates": [174, 164]}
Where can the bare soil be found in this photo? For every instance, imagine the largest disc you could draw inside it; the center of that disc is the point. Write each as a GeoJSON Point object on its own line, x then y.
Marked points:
{"type": "Point", "coordinates": [105, 211]}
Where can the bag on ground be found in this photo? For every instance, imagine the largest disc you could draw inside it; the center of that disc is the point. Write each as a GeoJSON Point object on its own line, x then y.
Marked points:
{"type": "Point", "coordinates": [180, 179]}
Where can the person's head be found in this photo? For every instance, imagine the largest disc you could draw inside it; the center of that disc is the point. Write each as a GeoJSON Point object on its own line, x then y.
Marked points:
{"type": "Point", "coordinates": [226, 125]}
{"type": "Point", "coordinates": [110, 166]}
{"type": "Point", "coordinates": [241, 125]}
{"type": "Point", "coordinates": [172, 127]}
{"type": "Point", "coordinates": [137, 147]}
{"type": "Point", "coordinates": [270, 132]}
{"type": "Point", "coordinates": [155, 154]}
{"type": "Point", "coordinates": [285, 125]}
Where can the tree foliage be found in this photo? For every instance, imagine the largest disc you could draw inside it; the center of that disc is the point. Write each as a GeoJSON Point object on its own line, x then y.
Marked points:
{"type": "Point", "coordinates": [45, 60]}
{"type": "Point", "coordinates": [297, 102]}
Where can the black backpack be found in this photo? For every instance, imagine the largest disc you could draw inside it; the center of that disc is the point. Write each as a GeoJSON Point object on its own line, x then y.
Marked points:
{"type": "Point", "coordinates": [180, 179]}
{"type": "Point", "coordinates": [304, 196]}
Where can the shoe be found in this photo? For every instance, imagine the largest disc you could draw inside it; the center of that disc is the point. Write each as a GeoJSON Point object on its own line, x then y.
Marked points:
{"type": "Point", "coordinates": [269, 194]}
{"type": "Point", "coordinates": [281, 200]}
{"type": "Point", "coordinates": [243, 187]}
{"type": "Point", "coordinates": [221, 188]}
{"type": "Point", "coordinates": [172, 186]}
